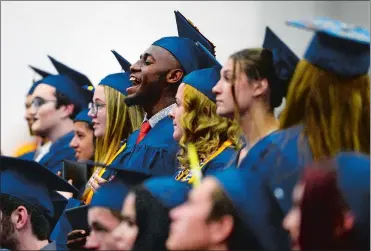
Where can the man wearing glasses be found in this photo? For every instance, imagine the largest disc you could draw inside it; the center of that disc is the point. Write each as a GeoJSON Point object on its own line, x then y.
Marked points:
{"type": "Point", "coordinates": [55, 102]}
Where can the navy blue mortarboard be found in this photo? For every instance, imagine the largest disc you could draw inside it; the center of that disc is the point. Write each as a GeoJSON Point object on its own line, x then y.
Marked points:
{"type": "Point", "coordinates": [112, 194]}
{"type": "Point", "coordinates": [185, 51]}
{"type": "Point", "coordinates": [84, 117]}
{"type": "Point", "coordinates": [204, 80]}
{"type": "Point", "coordinates": [170, 192]}
{"type": "Point", "coordinates": [125, 65]}
{"type": "Point", "coordinates": [42, 73]}
{"type": "Point", "coordinates": [119, 81]}
{"type": "Point", "coordinates": [34, 184]}
{"type": "Point", "coordinates": [284, 58]}
{"type": "Point", "coordinates": [337, 47]}
{"type": "Point", "coordinates": [187, 29]}
{"type": "Point", "coordinates": [73, 84]}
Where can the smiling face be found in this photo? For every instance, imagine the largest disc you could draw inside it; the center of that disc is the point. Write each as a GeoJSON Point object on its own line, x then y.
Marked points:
{"type": "Point", "coordinates": [126, 233]}
{"type": "Point", "coordinates": [100, 116]}
{"type": "Point", "coordinates": [82, 142]}
{"type": "Point", "coordinates": [150, 75]}
{"type": "Point", "coordinates": [177, 112]}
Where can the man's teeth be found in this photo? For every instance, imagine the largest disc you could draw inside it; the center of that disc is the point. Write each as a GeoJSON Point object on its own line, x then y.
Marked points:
{"type": "Point", "coordinates": [132, 79]}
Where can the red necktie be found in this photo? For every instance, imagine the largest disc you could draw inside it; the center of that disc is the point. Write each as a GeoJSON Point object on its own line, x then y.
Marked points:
{"type": "Point", "coordinates": [144, 129]}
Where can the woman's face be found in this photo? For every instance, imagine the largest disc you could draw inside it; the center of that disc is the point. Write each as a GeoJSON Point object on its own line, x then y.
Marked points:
{"type": "Point", "coordinates": [292, 220]}
{"type": "Point", "coordinates": [223, 90]}
{"type": "Point", "coordinates": [83, 141]}
{"type": "Point", "coordinates": [100, 114]}
{"type": "Point", "coordinates": [126, 232]}
{"type": "Point", "coordinates": [177, 112]}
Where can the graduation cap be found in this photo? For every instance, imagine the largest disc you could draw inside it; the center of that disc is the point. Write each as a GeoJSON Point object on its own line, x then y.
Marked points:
{"type": "Point", "coordinates": [284, 58]}
{"type": "Point", "coordinates": [208, 58]}
{"type": "Point", "coordinates": [337, 47]}
{"type": "Point", "coordinates": [84, 117]}
{"type": "Point", "coordinates": [42, 73]}
{"type": "Point", "coordinates": [119, 81]}
{"type": "Point", "coordinates": [204, 80]}
{"type": "Point", "coordinates": [125, 65]}
{"type": "Point", "coordinates": [170, 192]}
{"type": "Point", "coordinates": [188, 30]}
{"type": "Point", "coordinates": [185, 51]}
{"type": "Point", "coordinates": [71, 83]}
{"type": "Point", "coordinates": [112, 193]}
{"type": "Point", "coordinates": [34, 184]}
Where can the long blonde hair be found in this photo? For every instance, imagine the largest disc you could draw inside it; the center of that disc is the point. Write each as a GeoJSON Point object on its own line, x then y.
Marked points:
{"type": "Point", "coordinates": [203, 127]}
{"type": "Point", "coordinates": [121, 122]}
{"type": "Point", "coordinates": [335, 111]}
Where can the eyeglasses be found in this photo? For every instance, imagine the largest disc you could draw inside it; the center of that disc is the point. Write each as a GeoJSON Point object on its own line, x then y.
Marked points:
{"type": "Point", "coordinates": [37, 102]}
{"type": "Point", "coordinates": [95, 107]}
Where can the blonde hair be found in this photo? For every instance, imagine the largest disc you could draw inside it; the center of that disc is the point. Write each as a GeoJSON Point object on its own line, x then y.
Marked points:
{"type": "Point", "coordinates": [121, 122]}
{"type": "Point", "coordinates": [335, 111]}
{"type": "Point", "coordinates": [203, 127]}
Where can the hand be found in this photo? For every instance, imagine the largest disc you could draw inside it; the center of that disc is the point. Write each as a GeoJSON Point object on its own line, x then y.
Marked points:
{"type": "Point", "coordinates": [66, 195]}
{"type": "Point", "coordinates": [77, 239]}
{"type": "Point", "coordinates": [97, 182]}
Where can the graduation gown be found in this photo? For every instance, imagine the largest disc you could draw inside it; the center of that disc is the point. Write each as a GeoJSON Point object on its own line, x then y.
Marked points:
{"type": "Point", "coordinates": [155, 154]}
{"type": "Point", "coordinates": [276, 168]}
{"type": "Point", "coordinates": [59, 151]}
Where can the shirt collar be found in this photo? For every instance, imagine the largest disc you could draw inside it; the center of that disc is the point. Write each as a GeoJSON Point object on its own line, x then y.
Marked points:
{"type": "Point", "coordinates": [158, 116]}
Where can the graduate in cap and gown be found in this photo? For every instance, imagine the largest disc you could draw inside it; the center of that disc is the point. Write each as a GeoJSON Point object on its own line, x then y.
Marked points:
{"type": "Point", "coordinates": [213, 217]}
{"type": "Point", "coordinates": [40, 144]}
{"type": "Point", "coordinates": [29, 206]}
{"type": "Point", "coordinates": [102, 215]}
{"type": "Point", "coordinates": [56, 100]}
{"type": "Point", "coordinates": [145, 221]}
{"type": "Point", "coordinates": [113, 122]}
{"type": "Point", "coordinates": [253, 82]}
{"type": "Point", "coordinates": [195, 121]}
{"type": "Point", "coordinates": [338, 59]}
{"type": "Point", "coordinates": [155, 80]}
{"type": "Point", "coordinates": [83, 140]}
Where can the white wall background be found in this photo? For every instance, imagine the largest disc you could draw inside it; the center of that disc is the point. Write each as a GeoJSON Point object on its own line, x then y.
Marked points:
{"type": "Point", "coordinates": [81, 34]}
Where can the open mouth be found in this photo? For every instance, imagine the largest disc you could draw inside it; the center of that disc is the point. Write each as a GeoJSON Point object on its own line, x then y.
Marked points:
{"type": "Point", "coordinates": [136, 83]}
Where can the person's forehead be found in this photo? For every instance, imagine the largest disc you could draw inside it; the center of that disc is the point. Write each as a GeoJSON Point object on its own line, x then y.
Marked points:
{"type": "Point", "coordinates": [228, 65]}
{"type": "Point", "coordinates": [43, 89]}
{"type": "Point", "coordinates": [159, 53]}
{"type": "Point", "coordinates": [180, 91]}
{"type": "Point", "coordinates": [96, 213]}
{"type": "Point", "coordinates": [81, 126]}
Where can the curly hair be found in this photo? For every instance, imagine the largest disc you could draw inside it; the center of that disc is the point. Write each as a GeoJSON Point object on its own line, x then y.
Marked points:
{"type": "Point", "coordinates": [203, 127]}
{"type": "Point", "coordinates": [335, 111]}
